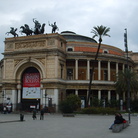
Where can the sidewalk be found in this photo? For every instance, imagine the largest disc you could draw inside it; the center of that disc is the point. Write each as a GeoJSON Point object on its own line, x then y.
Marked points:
{"type": "Point", "coordinates": [57, 126]}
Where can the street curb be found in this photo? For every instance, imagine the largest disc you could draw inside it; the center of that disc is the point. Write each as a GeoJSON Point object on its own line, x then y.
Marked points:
{"type": "Point", "coordinates": [11, 121]}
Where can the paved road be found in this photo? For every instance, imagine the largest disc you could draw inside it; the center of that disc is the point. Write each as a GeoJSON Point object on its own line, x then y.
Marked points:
{"type": "Point", "coordinates": [57, 126]}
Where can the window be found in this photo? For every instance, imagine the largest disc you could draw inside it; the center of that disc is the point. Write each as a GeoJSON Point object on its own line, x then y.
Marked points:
{"type": "Point", "coordinates": [70, 49]}
{"type": "Point", "coordinates": [105, 75]}
{"type": "Point", "coordinates": [81, 74]}
{"type": "Point", "coordinates": [105, 51]}
{"type": "Point", "coordinates": [69, 74]}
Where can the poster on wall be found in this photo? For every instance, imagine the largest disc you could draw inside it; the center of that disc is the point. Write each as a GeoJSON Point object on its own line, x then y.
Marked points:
{"type": "Point", "coordinates": [31, 86]}
{"type": "Point", "coordinates": [31, 92]}
{"type": "Point", "coordinates": [82, 103]}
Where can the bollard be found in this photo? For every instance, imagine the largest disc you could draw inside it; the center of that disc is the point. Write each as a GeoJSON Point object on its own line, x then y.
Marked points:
{"type": "Point", "coordinates": [21, 117]}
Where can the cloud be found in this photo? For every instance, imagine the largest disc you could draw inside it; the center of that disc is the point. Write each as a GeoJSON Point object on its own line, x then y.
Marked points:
{"type": "Point", "coordinates": [79, 16]}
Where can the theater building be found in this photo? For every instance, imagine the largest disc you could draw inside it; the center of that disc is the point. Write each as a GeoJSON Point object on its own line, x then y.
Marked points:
{"type": "Point", "coordinates": [41, 70]}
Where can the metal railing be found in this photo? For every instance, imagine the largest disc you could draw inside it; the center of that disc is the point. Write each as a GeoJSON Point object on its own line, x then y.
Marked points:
{"type": "Point", "coordinates": [28, 107]}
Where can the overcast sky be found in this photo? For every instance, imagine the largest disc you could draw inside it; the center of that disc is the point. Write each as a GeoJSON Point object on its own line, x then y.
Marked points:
{"type": "Point", "coordinates": [79, 16]}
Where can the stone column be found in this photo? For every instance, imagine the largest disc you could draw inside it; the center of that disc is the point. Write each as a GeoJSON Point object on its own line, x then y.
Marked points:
{"type": "Point", "coordinates": [123, 67]}
{"type": "Point", "coordinates": [88, 69]}
{"type": "Point", "coordinates": [99, 70]}
{"type": "Point", "coordinates": [19, 96]}
{"type": "Point", "coordinates": [117, 96]}
{"type": "Point", "coordinates": [14, 99]}
{"type": "Point", "coordinates": [109, 95]}
{"type": "Point", "coordinates": [19, 93]}
{"type": "Point", "coordinates": [56, 98]}
{"type": "Point", "coordinates": [41, 97]}
{"type": "Point", "coordinates": [76, 69]}
{"type": "Point", "coordinates": [44, 100]}
{"type": "Point", "coordinates": [99, 94]}
{"type": "Point", "coordinates": [109, 72]}
{"type": "Point", "coordinates": [116, 67]}
{"type": "Point", "coordinates": [76, 92]}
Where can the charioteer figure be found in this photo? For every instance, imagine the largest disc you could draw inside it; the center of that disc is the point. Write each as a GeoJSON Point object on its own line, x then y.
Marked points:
{"type": "Point", "coordinates": [54, 27]}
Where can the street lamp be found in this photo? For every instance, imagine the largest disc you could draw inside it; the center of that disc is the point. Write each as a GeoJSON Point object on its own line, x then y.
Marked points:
{"type": "Point", "coordinates": [128, 83]}
{"type": "Point", "coordinates": [45, 97]}
{"type": "Point", "coordinates": [3, 96]}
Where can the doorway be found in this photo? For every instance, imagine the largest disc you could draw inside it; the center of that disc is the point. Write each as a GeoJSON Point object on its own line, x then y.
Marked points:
{"type": "Point", "coordinates": [30, 93]}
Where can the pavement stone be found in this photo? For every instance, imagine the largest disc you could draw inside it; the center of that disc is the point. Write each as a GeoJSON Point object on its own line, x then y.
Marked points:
{"type": "Point", "coordinates": [57, 126]}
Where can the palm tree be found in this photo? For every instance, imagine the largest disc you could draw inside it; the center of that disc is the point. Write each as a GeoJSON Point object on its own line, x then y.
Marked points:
{"type": "Point", "coordinates": [98, 31]}
{"type": "Point", "coordinates": [125, 77]}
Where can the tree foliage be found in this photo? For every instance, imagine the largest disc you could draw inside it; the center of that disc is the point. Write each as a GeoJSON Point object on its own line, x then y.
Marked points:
{"type": "Point", "coordinates": [70, 104]}
{"type": "Point", "coordinates": [100, 31]}
{"type": "Point", "coordinates": [126, 79]}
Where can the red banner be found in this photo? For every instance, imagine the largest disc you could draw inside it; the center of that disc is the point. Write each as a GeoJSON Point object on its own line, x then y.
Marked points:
{"type": "Point", "coordinates": [31, 80]}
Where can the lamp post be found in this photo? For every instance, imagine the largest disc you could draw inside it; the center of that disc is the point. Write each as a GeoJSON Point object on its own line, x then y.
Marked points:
{"type": "Point", "coordinates": [128, 93]}
{"type": "Point", "coordinates": [45, 97]}
{"type": "Point", "coordinates": [3, 96]}
{"type": "Point", "coordinates": [128, 83]}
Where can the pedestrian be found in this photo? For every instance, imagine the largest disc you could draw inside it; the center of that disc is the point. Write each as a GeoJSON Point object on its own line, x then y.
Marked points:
{"type": "Point", "coordinates": [4, 110]}
{"type": "Point", "coordinates": [34, 114]}
{"type": "Point", "coordinates": [42, 114]}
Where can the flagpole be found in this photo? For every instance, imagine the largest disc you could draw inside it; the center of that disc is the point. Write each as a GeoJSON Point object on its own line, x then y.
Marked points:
{"type": "Point", "coordinates": [128, 82]}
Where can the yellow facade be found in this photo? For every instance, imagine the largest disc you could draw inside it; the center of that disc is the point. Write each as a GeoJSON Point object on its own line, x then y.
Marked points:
{"type": "Point", "coordinates": [64, 66]}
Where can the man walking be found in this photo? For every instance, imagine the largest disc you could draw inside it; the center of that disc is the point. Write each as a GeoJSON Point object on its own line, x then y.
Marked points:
{"type": "Point", "coordinates": [42, 114]}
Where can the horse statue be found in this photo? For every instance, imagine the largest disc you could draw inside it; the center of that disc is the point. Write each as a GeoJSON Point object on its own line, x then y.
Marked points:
{"type": "Point", "coordinates": [13, 32]}
{"type": "Point", "coordinates": [26, 30]}
{"type": "Point", "coordinates": [39, 31]}
{"type": "Point", "coordinates": [42, 30]}
{"type": "Point", "coordinates": [54, 27]}
{"type": "Point", "coordinates": [38, 28]}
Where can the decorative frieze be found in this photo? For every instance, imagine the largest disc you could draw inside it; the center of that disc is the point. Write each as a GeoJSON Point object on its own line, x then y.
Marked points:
{"type": "Point", "coordinates": [51, 41]}
{"type": "Point", "coordinates": [29, 45]}
{"type": "Point", "coordinates": [9, 46]}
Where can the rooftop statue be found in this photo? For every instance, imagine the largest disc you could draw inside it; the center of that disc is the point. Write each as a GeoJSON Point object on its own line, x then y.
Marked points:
{"type": "Point", "coordinates": [37, 24]}
{"type": "Point", "coordinates": [26, 30]}
{"type": "Point", "coordinates": [42, 30]}
{"type": "Point", "coordinates": [54, 27]}
{"type": "Point", "coordinates": [13, 32]}
{"type": "Point", "coordinates": [38, 29]}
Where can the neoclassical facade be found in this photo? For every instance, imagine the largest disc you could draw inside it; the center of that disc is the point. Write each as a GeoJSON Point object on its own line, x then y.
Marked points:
{"type": "Point", "coordinates": [41, 70]}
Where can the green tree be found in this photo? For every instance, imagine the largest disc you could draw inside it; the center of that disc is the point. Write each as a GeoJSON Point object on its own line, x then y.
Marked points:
{"type": "Point", "coordinates": [99, 32]}
{"type": "Point", "coordinates": [70, 104]}
{"type": "Point", "coordinates": [126, 80]}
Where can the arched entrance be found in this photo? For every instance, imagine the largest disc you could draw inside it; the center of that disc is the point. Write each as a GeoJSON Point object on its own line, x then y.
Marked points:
{"type": "Point", "coordinates": [30, 93]}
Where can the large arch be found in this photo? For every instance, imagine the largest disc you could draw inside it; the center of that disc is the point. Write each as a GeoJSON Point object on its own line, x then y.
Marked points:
{"type": "Point", "coordinates": [22, 65]}
{"type": "Point", "coordinates": [19, 70]}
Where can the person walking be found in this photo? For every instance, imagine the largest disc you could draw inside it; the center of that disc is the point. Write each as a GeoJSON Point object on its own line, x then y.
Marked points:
{"type": "Point", "coordinates": [4, 110]}
{"type": "Point", "coordinates": [34, 114]}
{"type": "Point", "coordinates": [42, 114]}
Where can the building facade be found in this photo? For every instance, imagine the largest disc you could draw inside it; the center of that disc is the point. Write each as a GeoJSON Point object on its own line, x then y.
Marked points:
{"type": "Point", "coordinates": [41, 70]}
